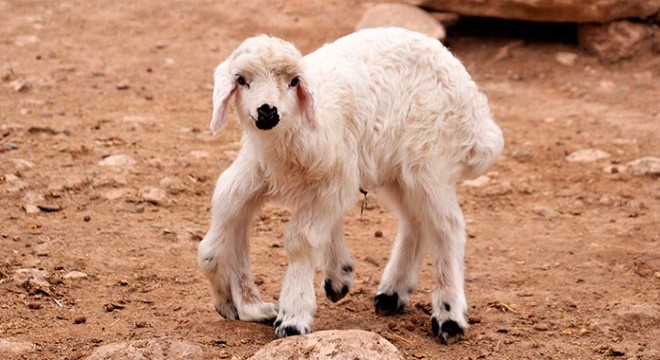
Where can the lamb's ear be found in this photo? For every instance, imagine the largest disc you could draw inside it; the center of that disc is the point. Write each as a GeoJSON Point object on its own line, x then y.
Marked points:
{"type": "Point", "coordinates": [223, 88]}
{"type": "Point", "coordinates": [306, 101]}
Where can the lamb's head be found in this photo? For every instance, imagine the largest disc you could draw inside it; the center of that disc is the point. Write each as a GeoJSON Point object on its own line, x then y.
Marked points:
{"type": "Point", "coordinates": [266, 77]}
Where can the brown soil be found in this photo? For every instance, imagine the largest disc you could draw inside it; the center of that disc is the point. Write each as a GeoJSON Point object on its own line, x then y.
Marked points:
{"type": "Point", "coordinates": [134, 77]}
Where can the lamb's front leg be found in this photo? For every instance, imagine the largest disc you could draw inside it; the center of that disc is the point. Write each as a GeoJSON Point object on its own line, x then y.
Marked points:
{"type": "Point", "coordinates": [223, 254]}
{"type": "Point", "coordinates": [306, 238]}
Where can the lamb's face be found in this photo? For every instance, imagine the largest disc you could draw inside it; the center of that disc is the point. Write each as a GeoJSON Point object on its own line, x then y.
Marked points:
{"type": "Point", "coordinates": [265, 75]}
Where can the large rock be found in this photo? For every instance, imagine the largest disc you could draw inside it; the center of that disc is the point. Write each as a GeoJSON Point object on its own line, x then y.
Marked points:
{"type": "Point", "coordinates": [169, 348]}
{"type": "Point", "coordinates": [333, 344]}
{"type": "Point", "coordinates": [615, 41]}
{"type": "Point", "coordinates": [401, 15]}
{"type": "Point", "coordinates": [580, 11]}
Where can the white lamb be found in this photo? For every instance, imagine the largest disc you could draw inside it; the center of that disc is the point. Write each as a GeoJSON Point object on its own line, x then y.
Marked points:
{"type": "Point", "coordinates": [381, 109]}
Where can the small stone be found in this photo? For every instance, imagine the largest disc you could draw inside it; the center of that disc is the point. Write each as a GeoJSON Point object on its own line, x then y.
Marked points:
{"type": "Point", "coordinates": [566, 58]}
{"type": "Point", "coordinates": [473, 319]}
{"type": "Point", "coordinates": [7, 72]}
{"type": "Point", "coordinates": [80, 320]}
{"type": "Point", "coordinates": [545, 211]}
{"type": "Point", "coordinates": [646, 166]}
{"type": "Point", "coordinates": [75, 275]}
{"type": "Point", "coordinates": [478, 182]}
{"type": "Point", "coordinates": [152, 194]}
{"type": "Point", "coordinates": [22, 165]}
{"type": "Point", "coordinates": [615, 351]}
{"type": "Point", "coordinates": [540, 327]}
{"type": "Point", "coordinates": [34, 306]}
{"type": "Point", "coordinates": [87, 218]}
{"type": "Point", "coordinates": [587, 155]}
{"type": "Point", "coordinates": [119, 160]}
{"type": "Point", "coordinates": [31, 209]}
{"type": "Point", "coordinates": [378, 233]}
{"type": "Point", "coordinates": [401, 15]}
{"type": "Point", "coordinates": [9, 146]}
{"type": "Point", "coordinates": [20, 85]}
{"type": "Point", "coordinates": [115, 194]}
{"type": "Point", "coordinates": [49, 207]}
{"type": "Point", "coordinates": [199, 154]}
{"type": "Point", "coordinates": [110, 307]}
{"type": "Point", "coordinates": [31, 278]}
{"type": "Point", "coordinates": [123, 85]}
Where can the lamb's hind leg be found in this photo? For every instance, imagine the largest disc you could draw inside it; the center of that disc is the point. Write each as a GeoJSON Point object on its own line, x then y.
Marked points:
{"type": "Point", "coordinates": [400, 276]}
{"type": "Point", "coordinates": [223, 254]}
{"type": "Point", "coordinates": [444, 230]}
{"type": "Point", "coordinates": [337, 266]}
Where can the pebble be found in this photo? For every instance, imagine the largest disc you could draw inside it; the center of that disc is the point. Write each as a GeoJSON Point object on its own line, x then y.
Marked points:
{"type": "Point", "coordinates": [123, 85]}
{"type": "Point", "coordinates": [75, 275]}
{"type": "Point", "coordinates": [119, 160]}
{"type": "Point", "coordinates": [152, 194]}
{"type": "Point", "coordinates": [199, 154]}
{"type": "Point", "coordinates": [478, 182]}
{"type": "Point", "coordinates": [115, 194]}
{"type": "Point", "coordinates": [7, 72]}
{"type": "Point", "coordinates": [22, 164]}
{"type": "Point", "coordinates": [646, 166]}
{"type": "Point", "coordinates": [80, 320]}
{"type": "Point", "coordinates": [540, 327]}
{"type": "Point", "coordinates": [20, 85]}
{"type": "Point", "coordinates": [587, 155]}
{"type": "Point", "coordinates": [31, 209]}
{"type": "Point", "coordinates": [378, 233]}
{"type": "Point", "coordinates": [545, 211]}
{"type": "Point", "coordinates": [566, 58]}
{"type": "Point", "coordinates": [87, 218]}
{"type": "Point", "coordinates": [31, 277]}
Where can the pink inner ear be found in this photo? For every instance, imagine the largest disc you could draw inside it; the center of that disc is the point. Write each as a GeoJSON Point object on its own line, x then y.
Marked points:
{"type": "Point", "coordinates": [306, 102]}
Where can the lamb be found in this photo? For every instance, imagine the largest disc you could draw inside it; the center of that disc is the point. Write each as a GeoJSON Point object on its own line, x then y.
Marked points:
{"type": "Point", "coordinates": [385, 109]}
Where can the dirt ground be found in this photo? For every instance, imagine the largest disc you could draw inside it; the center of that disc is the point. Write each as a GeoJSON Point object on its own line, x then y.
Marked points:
{"type": "Point", "coordinates": [563, 259]}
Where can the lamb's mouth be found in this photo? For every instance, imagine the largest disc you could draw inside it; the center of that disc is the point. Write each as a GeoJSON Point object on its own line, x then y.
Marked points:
{"type": "Point", "coordinates": [266, 123]}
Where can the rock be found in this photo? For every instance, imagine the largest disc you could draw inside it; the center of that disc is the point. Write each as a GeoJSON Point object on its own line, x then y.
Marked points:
{"type": "Point", "coordinates": [478, 182]}
{"type": "Point", "coordinates": [545, 211]}
{"type": "Point", "coordinates": [20, 85]}
{"type": "Point", "coordinates": [332, 344]}
{"type": "Point", "coordinates": [152, 194]}
{"type": "Point", "coordinates": [75, 275]}
{"type": "Point", "coordinates": [12, 348]}
{"type": "Point", "coordinates": [614, 41]}
{"type": "Point", "coordinates": [401, 15]}
{"type": "Point", "coordinates": [80, 320]}
{"type": "Point", "coordinates": [31, 209]}
{"type": "Point", "coordinates": [649, 166]}
{"type": "Point", "coordinates": [123, 85]}
{"type": "Point", "coordinates": [199, 154]}
{"type": "Point", "coordinates": [587, 155]}
{"type": "Point", "coordinates": [378, 233]}
{"type": "Point", "coordinates": [540, 327]}
{"type": "Point", "coordinates": [566, 58]}
{"type": "Point", "coordinates": [598, 11]}
{"type": "Point", "coordinates": [115, 194]}
{"type": "Point", "coordinates": [21, 164]}
{"type": "Point", "coordinates": [119, 160]}
{"type": "Point", "coordinates": [31, 278]}
{"type": "Point", "coordinates": [156, 349]}
{"type": "Point", "coordinates": [7, 72]}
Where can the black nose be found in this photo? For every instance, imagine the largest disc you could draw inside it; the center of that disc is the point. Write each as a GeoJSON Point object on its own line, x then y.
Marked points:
{"type": "Point", "coordinates": [267, 117]}
{"type": "Point", "coordinates": [267, 110]}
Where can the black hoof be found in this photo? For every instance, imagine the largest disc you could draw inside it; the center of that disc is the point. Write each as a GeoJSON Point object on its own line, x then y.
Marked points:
{"type": "Point", "coordinates": [291, 331]}
{"type": "Point", "coordinates": [330, 292]}
{"type": "Point", "coordinates": [387, 304]}
{"type": "Point", "coordinates": [447, 331]}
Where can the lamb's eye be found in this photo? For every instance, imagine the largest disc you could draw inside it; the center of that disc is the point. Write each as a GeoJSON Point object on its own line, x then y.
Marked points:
{"type": "Point", "coordinates": [241, 80]}
{"type": "Point", "coordinates": [294, 82]}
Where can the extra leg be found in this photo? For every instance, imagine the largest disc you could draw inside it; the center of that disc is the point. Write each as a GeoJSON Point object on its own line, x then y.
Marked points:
{"type": "Point", "coordinates": [223, 254]}
{"type": "Point", "coordinates": [337, 266]}
{"type": "Point", "coordinates": [400, 276]}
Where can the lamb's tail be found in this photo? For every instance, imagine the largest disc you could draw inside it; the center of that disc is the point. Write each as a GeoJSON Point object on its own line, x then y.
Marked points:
{"type": "Point", "coordinates": [487, 145]}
